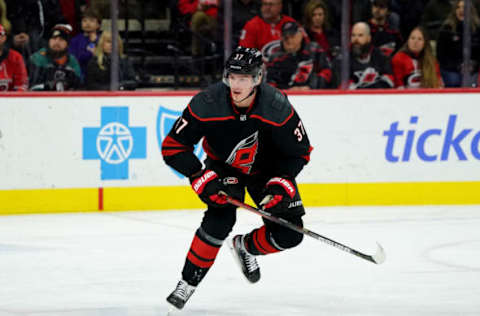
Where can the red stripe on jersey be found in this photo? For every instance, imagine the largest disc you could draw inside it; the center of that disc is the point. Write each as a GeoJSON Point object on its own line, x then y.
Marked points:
{"type": "Point", "coordinates": [270, 122]}
{"type": "Point", "coordinates": [171, 152]}
{"type": "Point", "coordinates": [224, 118]}
{"type": "Point", "coordinates": [307, 157]}
{"type": "Point", "coordinates": [202, 254]}
{"type": "Point", "coordinates": [172, 147]}
{"type": "Point", "coordinates": [260, 238]}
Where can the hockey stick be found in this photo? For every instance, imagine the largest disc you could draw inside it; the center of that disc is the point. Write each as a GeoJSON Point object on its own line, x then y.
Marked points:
{"type": "Point", "coordinates": [377, 258]}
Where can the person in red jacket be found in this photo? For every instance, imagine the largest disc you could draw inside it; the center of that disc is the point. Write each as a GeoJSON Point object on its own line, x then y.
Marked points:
{"type": "Point", "coordinates": [263, 29]}
{"type": "Point", "coordinates": [415, 66]}
{"type": "Point", "coordinates": [13, 73]}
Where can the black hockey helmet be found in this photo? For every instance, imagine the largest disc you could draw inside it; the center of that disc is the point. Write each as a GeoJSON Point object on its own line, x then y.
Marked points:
{"type": "Point", "coordinates": [243, 60]}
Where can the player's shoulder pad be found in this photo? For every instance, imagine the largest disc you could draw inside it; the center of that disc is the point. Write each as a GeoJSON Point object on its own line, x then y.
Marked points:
{"type": "Point", "coordinates": [273, 106]}
{"type": "Point", "coordinates": [211, 104]}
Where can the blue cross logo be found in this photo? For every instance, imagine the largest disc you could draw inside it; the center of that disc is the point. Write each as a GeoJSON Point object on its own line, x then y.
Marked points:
{"type": "Point", "coordinates": [114, 142]}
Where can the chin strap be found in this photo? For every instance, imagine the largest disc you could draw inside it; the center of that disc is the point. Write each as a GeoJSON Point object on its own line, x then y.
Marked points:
{"type": "Point", "coordinates": [249, 95]}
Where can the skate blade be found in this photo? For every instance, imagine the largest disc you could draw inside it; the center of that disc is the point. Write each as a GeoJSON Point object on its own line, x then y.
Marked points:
{"type": "Point", "coordinates": [172, 310]}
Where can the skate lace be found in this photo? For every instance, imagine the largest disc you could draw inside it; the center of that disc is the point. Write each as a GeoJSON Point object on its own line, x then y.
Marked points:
{"type": "Point", "coordinates": [250, 261]}
{"type": "Point", "coordinates": [183, 290]}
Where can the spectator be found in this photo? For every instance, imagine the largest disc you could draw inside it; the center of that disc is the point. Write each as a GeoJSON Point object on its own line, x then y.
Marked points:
{"type": "Point", "coordinates": [415, 66]}
{"type": "Point", "coordinates": [384, 36]}
{"type": "Point", "coordinates": [297, 63]}
{"type": "Point", "coordinates": [242, 11]}
{"type": "Point", "coordinates": [362, 12]}
{"type": "Point", "coordinates": [434, 14]}
{"type": "Point", "coordinates": [263, 29]}
{"type": "Point", "coordinates": [13, 73]}
{"type": "Point", "coordinates": [450, 46]}
{"type": "Point", "coordinates": [410, 14]}
{"type": "Point", "coordinates": [316, 21]}
{"type": "Point", "coordinates": [83, 45]}
{"type": "Point", "coordinates": [31, 22]}
{"type": "Point", "coordinates": [53, 68]}
{"type": "Point", "coordinates": [72, 11]}
{"type": "Point", "coordinates": [203, 21]}
{"type": "Point", "coordinates": [7, 26]}
{"type": "Point", "coordinates": [369, 68]}
{"type": "Point", "coordinates": [99, 67]}
{"type": "Point", "coordinates": [334, 9]}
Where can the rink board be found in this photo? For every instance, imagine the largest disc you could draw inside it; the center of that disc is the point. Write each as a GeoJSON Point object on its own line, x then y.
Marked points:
{"type": "Point", "coordinates": [90, 152]}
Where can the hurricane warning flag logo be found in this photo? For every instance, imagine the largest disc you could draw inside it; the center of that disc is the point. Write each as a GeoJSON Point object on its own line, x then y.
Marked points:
{"type": "Point", "coordinates": [165, 120]}
{"type": "Point", "coordinates": [114, 143]}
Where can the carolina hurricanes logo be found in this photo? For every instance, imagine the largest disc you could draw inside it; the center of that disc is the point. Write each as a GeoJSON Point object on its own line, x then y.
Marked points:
{"type": "Point", "coordinates": [414, 79]}
{"type": "Point", "coordinates": [3, 85]}
{"type": "Point", "coordinates": [275, 33]}
{"type": "Point", "coordinates": [303, 72]}
{"type": "Point", "coordinates": [4, 78]}
{"type": "Point", "coordinates": [270, 49]}
{"type": "Point", "coordinates": [388, 48]}
{"type": "Point", "coordinates": [243, 155]}
{"type": "Point", "coordinates": [366, 77]}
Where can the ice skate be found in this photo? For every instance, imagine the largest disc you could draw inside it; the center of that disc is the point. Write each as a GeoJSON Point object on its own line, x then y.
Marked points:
{"type": "Point", "coordinates": [181, 294]}
{"type": "Point", "coordinates": [246, 261]}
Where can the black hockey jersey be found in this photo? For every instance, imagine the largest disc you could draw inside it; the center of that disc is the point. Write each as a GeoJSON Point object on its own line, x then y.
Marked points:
{"type": "Point", "coordinates": [267, 138]}
{"type": "Point", "coordinates": [388, 40]}
{"type": "Point", "coordinates": [372, 71]}
{"type": "Point", "coordinates": [308, 67]}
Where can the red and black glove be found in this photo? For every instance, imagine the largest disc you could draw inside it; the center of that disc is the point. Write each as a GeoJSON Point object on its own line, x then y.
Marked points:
{"type": "Point", "coordinates": [279, 193]}
{"type": "Point", "coordinates": [207, 184]}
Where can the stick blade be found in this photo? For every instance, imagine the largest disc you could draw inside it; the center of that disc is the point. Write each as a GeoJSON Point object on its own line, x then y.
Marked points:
{"type": "Point", "coordinates": [379, 257]}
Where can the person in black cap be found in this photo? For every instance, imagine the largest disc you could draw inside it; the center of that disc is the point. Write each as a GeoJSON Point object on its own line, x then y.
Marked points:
{"type": "Point", "coordinates": [53, 68]}
{"type": "Point", "coordinates": [295, 62]}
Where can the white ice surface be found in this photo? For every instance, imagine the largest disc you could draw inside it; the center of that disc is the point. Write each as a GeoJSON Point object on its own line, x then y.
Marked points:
{"type": "Point", "coordinates": [126, 263]}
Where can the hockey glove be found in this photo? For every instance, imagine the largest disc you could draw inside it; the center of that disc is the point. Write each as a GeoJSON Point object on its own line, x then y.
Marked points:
{"type": "Point", "coordinates": [279, 193]}
{"type": "Point", "coordinates": [207, 185]}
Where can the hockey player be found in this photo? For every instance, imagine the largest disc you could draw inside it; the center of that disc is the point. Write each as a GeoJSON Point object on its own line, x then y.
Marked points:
{"type": "Point", "coordinates": [254, 140]}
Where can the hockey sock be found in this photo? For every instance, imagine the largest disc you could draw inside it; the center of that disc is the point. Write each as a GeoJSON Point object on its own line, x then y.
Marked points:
{"type": "Point", "coordinates": [200, 257]}
{"type": "Point", "coordinates": [260, 242]}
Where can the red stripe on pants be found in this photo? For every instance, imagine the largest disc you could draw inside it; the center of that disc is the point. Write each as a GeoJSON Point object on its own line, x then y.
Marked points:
{"type": "Point", "coordinates": [202, 254]}
{"type": "Point", "coordinates": [261, 242]}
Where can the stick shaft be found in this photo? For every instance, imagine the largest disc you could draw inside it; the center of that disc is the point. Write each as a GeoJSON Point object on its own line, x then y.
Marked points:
{"type": "Point", "coordinates": [300, 230]}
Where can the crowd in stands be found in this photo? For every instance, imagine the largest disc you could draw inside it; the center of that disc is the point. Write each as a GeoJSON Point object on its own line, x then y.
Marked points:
{"type": "Point", "coordinates": [57, 45]}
